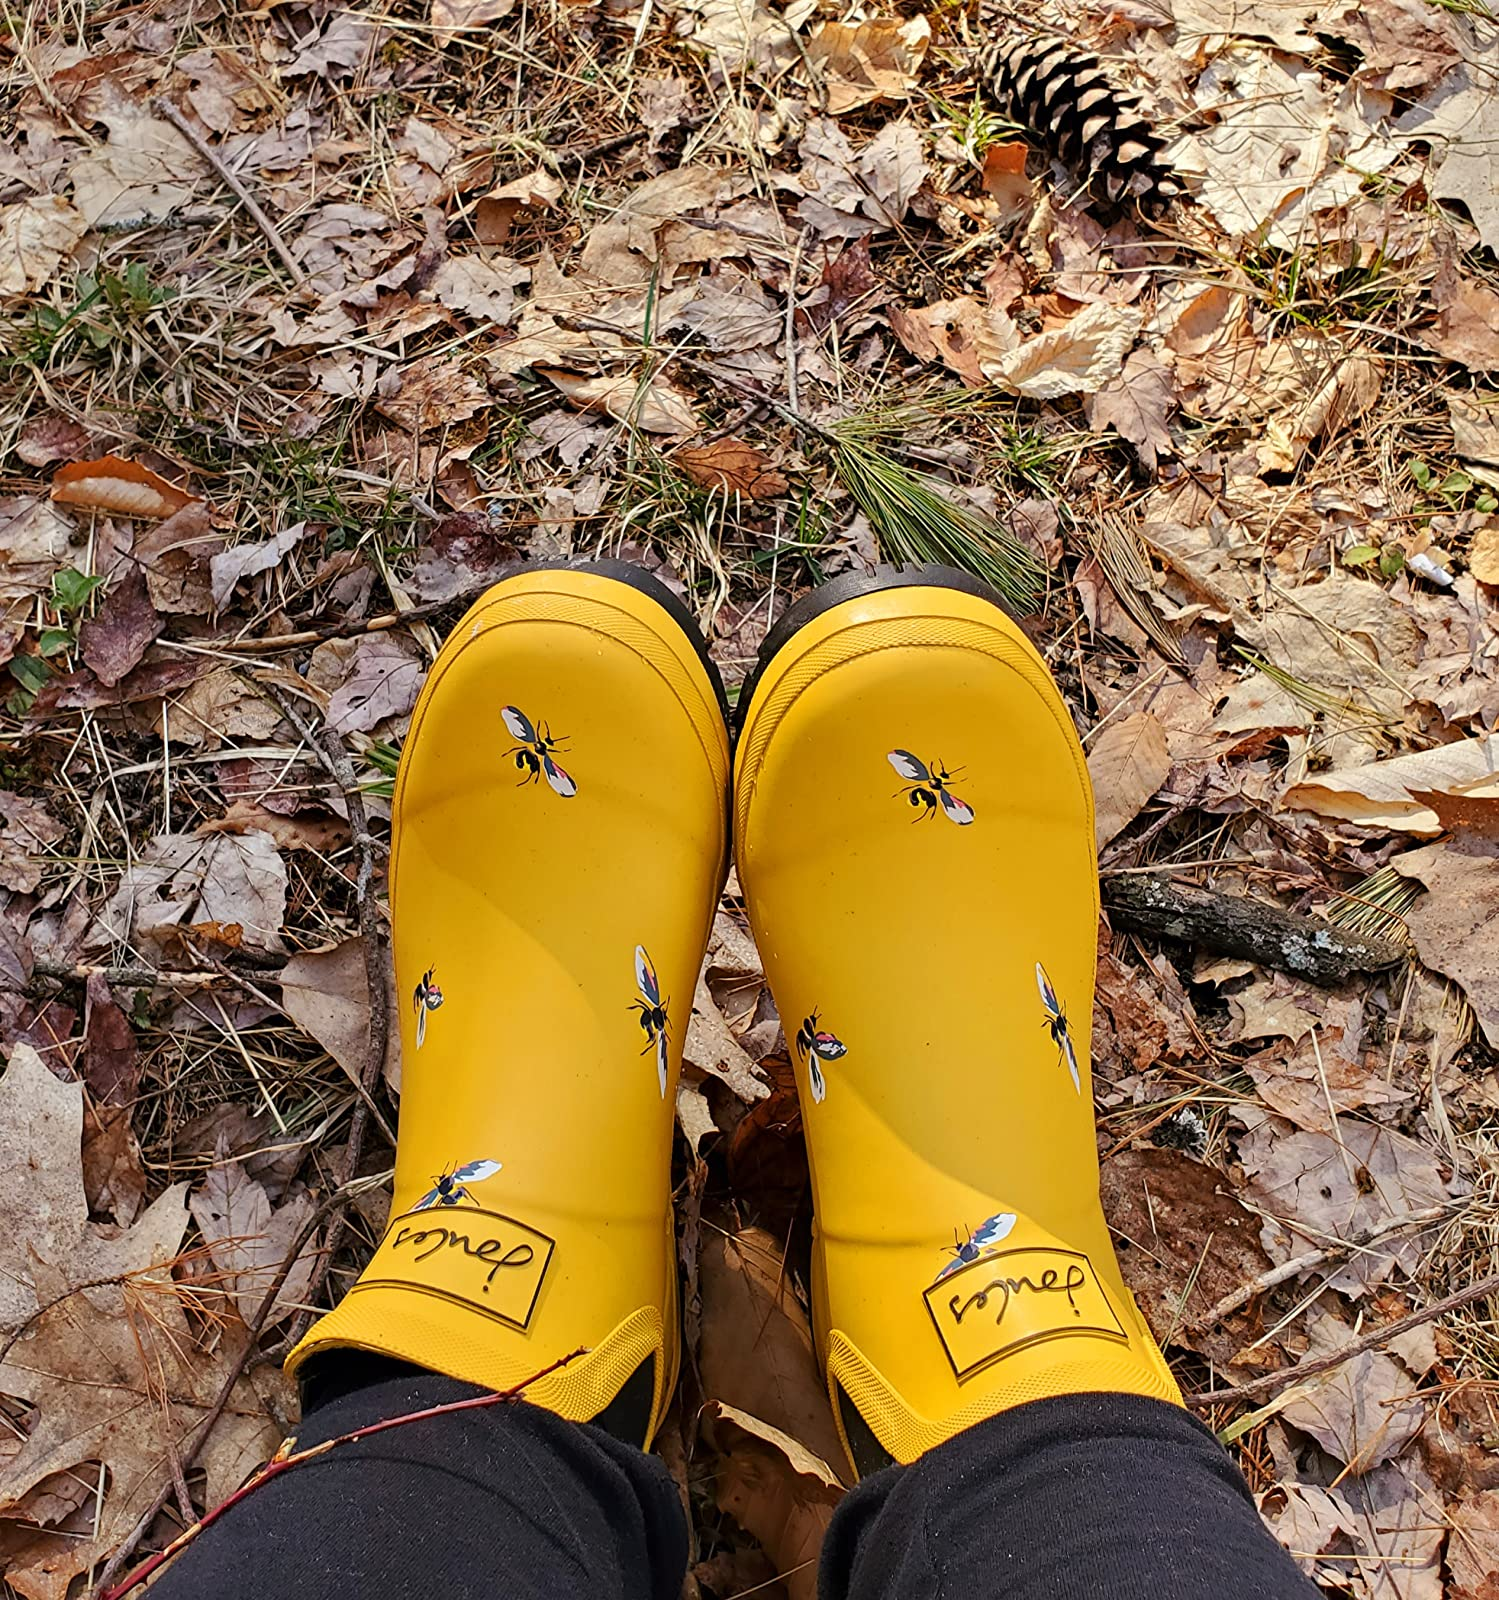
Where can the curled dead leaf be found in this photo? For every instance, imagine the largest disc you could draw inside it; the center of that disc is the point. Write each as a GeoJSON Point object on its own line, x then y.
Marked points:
{"type": "Point", "coordinates": [1080, 357]}
{"type": "Point", "coordinates": [113, 484]}
{"type": "Point", "coordinates": [776, 1490]}
{"type": "Point", "coordinates": [495, 214]}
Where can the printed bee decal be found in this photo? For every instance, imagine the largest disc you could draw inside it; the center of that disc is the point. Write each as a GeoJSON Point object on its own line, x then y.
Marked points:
{"type": "Point", "coordinates": [450, 1190]}
{"type": "Point", "coordinates": [926, 788]}
{"type": "Point", "coordinates": [812, 1043]}
{"type": "Point", "coordinates": [652, 1009]}
{"type": "Point", "coordinates": [533, 752]}
{"type": "Point", "coordinates": [984, 1237]}
{"type": "Point", "coordinates": [1056, 1021]}
{"type": "Point", "coordinates": [425, 997]}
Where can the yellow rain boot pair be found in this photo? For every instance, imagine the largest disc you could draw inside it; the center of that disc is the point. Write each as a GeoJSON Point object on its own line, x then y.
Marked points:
{"type": "Point", "coordinates": [914, 836]}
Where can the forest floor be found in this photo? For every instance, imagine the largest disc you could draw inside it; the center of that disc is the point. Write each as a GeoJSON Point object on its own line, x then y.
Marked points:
{"type": "Point", "coordinates": [315, 319]}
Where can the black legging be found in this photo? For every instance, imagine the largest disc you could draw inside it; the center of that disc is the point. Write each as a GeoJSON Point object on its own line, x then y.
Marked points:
{"type": "Point", "coordinates": [1093, 1495]}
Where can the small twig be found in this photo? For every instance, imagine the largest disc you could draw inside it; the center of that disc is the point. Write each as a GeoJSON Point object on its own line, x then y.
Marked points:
{"type": "Point", "coordinates": [1312, 1259]}
{"type": "Point", "coordinates": [334, 1203]}
{"type": "Point", "coordinates": [330, 753]}
{"type": "Point", "coordinates": [793, 387]}
{"type": "Point", "coordinates": [1273, 1382]}
{"type": "Point", "coordinates": [164, 108]}
{"type": "Point", "coordinates": [349, 630]}
{"type": "Point", "coordinates": [286, 1458]}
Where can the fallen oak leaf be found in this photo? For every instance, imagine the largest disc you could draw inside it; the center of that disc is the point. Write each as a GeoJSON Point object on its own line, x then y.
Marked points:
{"type": "Point", "coordinates": [112, 483]}
{"type": "Point", "coordinates": [730, 466]}
{"type": "Point", "coordinates": [248, 1240]}
{"type": "Point", "coordinates": [865, 61]}
{"type": "Point", "coordinates": [84, 1361]}
{"type": "Point", "coordinates": [1136, 405]}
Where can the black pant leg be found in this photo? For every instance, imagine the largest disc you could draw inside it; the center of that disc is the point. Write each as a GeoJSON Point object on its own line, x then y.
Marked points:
{"type": "Point", "coordinates": [507, 1500]}
{"type": "Point", "coordinates": [1085, 1497]}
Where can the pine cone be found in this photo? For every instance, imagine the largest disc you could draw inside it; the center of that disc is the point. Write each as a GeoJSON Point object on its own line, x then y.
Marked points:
{"type": "Point", "coordinates": [1065, 96]}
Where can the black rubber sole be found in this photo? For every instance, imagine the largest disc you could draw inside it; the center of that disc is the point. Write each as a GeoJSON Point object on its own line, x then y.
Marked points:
{"type": "Point", "coordinates": [642, 582]}
{"type": "Point", "coordinates": [854, 586]}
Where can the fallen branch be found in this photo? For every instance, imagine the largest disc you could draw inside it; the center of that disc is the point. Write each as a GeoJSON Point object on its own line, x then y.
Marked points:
{"type": "Point", "coordinates": [1271, 1383]}
{"type": "Point", "coordinates": [286, 1458]}
{"type": "Point", "coordinates": [1236, 925]}
{"type": "Point", "coordinates": [1315, 1258]}
{"type": "Point", "coordinates": [164, 108]}
{"type": "Point", "coordinates": [334, 1203]}
{"type": "Point", "coordinates": [330, 753]}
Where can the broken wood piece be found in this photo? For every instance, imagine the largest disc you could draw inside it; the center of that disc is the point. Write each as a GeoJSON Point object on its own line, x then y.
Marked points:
{"type": "Point", "coordinates": [1236, 925]}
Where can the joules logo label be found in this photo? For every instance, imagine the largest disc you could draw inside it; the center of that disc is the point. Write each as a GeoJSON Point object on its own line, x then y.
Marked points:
{"type": "Point", "coordinates": [1014, 1298]}
{"type": "Point", "coordinates": [481, 1259]}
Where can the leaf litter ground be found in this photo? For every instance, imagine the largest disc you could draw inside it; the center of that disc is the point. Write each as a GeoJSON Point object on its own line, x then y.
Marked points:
{"type": "Point", "coordinates": [316, 320]}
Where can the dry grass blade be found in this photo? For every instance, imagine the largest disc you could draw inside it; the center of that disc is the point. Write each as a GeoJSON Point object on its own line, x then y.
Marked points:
{"type": "Point", "coordinates": [1119, 551]}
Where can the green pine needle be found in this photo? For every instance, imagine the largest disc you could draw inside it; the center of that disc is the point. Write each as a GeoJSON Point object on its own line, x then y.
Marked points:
{"type": "Point", "coordinates": [916, 523]}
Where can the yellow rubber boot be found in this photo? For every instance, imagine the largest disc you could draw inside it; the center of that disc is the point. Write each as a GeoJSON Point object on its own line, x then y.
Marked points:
{"type": "Point", "coordinates": [914, 834]}
{"type": "Point", "coordinates": [559, 841]}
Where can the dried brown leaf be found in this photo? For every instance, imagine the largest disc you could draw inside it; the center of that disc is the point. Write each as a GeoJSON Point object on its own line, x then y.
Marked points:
{"type": "Point", "coordinates": [654, 406]}
{"type": "Point", "coordinates": [776, 1490]}
{"type": "Point", "coordinates": [82, 1367]}
{"type": "Point", "coordinates": [757, 1351]}
{"type": "Point", "coordinates": [1136, 405]}
{"type": "Point", "coordinates": [1083, 355]}
{"type": "Point", "coordinates": [712, 1048]}
{"type": "Point", "coordinates": [1360, 1412]}
{"type": "Point", "coordinates": [29, 830]}
{"type": "Point", "coordinates": [115, 638]}
{"type": "Point", "coordinates": [1127, 763]}
{"type": "Point", "coordinates": [1381, 794]}
{"type": "Point", "coordinates": [730, 466]}
{"type": "Point", "coordinates": [240, 561]}
{"type": "Point", "coordinates": [111, 1058]}
{"type": "Point", "coordinates": [369, 679]}
{"type": "Point", "coordinates": [113, 484]}
{"type": "Point", "coordinates": [865, 61]}
{"type": "Point", "coordinates": [495, 212]}
{"type": "Point", "coordinates": [48, 437]}
{"type": "Point", "coordinates": [1334, 1188]}
{"type": "Point", "coordinates": [1467, 316]}
{"type": "Point", "coordinates": [1185, 1244]}
{"type": "Point", "coordinates": [326, 993]}
{"type": "Point", "coordinates": [36, 235]}
{"type": "Point", "coordinates": [1455, 924]}
{"type": "Point", "coordinates": [248, 1239]}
